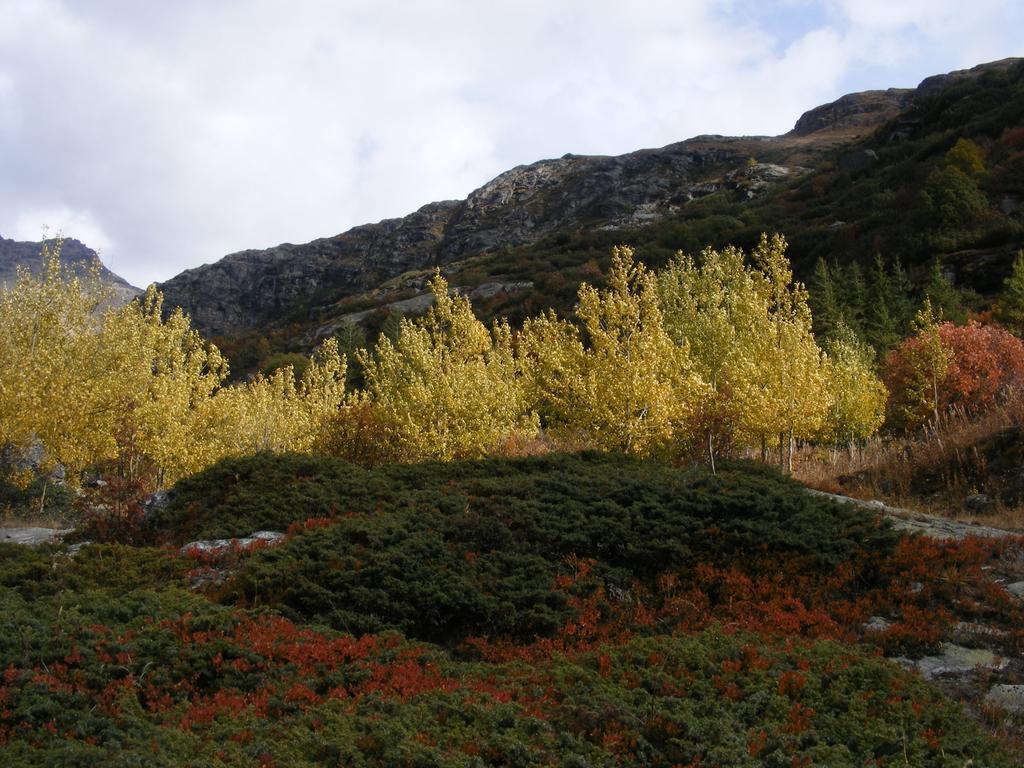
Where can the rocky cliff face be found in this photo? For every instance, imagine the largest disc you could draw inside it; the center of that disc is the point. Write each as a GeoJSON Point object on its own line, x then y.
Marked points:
{"type": "Point", "coordinates": [520, 206]}
{"type": "Point", "coordinates": [855, 110]}
{"type": "Point", "coordinates": [259, 287]}
{"type": "Point", "coordinates": [14, 254]}
{"type": "Point", "coordinates": [252, 287]}
{"type": "Point", "coordinates": [528, 202]}
{"type": "Point", "coordinates": [932, 85]}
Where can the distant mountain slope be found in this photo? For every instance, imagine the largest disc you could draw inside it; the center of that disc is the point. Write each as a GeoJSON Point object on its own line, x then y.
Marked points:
{"type": "Point", "coordinates": [842, 183]}
{"type": "Point", "coordinates": [28, 254]}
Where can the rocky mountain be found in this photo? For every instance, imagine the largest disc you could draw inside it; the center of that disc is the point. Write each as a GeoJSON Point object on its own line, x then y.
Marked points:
{"type": "Point", "coordinates": [14, 254]}
{"type": "Point", "coordinates": [707, 189]}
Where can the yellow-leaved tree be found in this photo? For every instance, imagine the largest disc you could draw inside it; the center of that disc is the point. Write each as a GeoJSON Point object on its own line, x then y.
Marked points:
{"type": "Point", "coordinates": [916, 370]}
{"type": "Point", "coordinates": [277, 413]}
{"type": "Point", "coordinates": [161, 375]}
{"type": "Point", "coordinates": [53, 379]}
{"type": "Point", "coordinates": [91, 384]}
{"type": "Point", "coordinates": [856, 396]}
{"type": "Point", "coordinates": [618, 380]}
{"type": "Point", "coordinates": [446, 388]}
{"type": "Point", "coordinates": [787, 397]}
{"type": "Point", "coordinates": [718, 308]}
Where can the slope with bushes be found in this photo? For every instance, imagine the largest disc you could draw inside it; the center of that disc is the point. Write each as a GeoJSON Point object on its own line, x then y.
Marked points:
{"type": "Point", "coordinates": [878, 173]}
{"type": "Point", "coordinates": [565, 610]}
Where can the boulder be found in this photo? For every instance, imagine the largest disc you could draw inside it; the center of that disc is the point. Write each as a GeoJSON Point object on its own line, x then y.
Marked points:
{"type": "Point", "coordinates": [978, 504]}
{"type": "Point", "coordinates": [1007, 697]}
{"type": "Point", "coordinates": [877, 624]}
{"type": "Point", "coordinates": [1016, 589]}
{"type": "Point", "coordinates": [31, 458]}
{"type": "Point", "coordinates": [32, 536]}
{"type": "Point", "coordinates": [155, 502]}
{"type": "Point", "coordinates": [857, 160]}
{"type": "Point", "coordinates": [220, 546]}
{"type": "Point", "coordinates": [954, 661]}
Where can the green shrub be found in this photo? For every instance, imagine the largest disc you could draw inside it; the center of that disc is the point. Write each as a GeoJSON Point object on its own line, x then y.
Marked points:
{"type": "Point", "coordinates": [108, 660]}
{"type": "Point", "coordinates": [168, 680]}
{"type": "Point", "coordinates": [443, 551]}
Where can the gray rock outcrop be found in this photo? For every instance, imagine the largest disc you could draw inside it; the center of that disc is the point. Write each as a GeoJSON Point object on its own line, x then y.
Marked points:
{"type": "Point", "coordinates": [1007, 697]}
{"type": "Point", "coordinates": [32, 536]}
{"type": "Point", "coordinates": [220, 546]}
{"type": "Point", "coordinates": [14, 254]}
{"type": "Point", "coordinates": [955, 660]}
{"type": "Point", "coordinates": [855, 110]}
{"type": "Point", "coordinates": [303, 283]}
{"type": "Point", "coordinates": [912, 521]}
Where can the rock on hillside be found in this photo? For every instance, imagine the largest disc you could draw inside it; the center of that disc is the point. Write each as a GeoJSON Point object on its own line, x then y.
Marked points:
{"type": "Point", "coordinates": [252, 288]}
{"type": "Point", "coordinates": [28, 254]}
{"type": "Point", "coordinates": [855, 110]}
{"type": "Point", "coordinates": [936, 83]}
{"type": "Point", "coordinates": [258, 288]}
{"type": "Point", "coordinates": [248, 288]}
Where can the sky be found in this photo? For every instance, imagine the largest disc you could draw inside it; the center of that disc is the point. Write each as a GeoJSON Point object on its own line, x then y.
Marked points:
{"type": "Point", "coordinates": [169, 134]}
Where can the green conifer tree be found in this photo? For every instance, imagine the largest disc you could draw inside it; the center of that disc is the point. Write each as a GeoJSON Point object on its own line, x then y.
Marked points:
{"type": "Point", "coordinates": [883, 323]}
{"type": "Point", "coordinates": [945, 299]}
{"type": "Point", "coordinates": [904, 305]}
{"type": "Point", "coordinates": [1010, 307]}
{"type": "Point", "coordinates": [853, 296]}
{"type": "Point", "coordinates": [824, 303]}
{"type": "Point", "coordinates": [392, 327]}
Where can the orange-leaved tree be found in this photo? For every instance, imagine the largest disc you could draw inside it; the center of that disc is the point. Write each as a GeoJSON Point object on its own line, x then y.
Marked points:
{"type": "Point", "coordinates": [943, 366]}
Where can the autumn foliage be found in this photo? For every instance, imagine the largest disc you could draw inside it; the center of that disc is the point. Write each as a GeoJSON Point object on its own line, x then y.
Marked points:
{"type": "Point", "coordinates": [683, 619]}
{"type": "Point", "coordinates": [715, 358]}
{"type": "Point", "coordinates": [982, 366]}
{"type": "Point", "coordinates": [139, 389]}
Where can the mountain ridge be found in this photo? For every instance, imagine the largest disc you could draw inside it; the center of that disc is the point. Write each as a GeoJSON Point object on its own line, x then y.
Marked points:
{"type": "Point", "coordinates": [304, 283]}
{"type": "Point", "coordinates": [74, 253]}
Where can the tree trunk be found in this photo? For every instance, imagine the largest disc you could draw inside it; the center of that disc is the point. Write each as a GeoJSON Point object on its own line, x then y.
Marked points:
{"type": "Point", "coordinates": [711, 451]}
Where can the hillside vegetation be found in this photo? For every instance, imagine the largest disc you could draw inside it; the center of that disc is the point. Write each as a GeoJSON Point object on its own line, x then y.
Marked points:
{"type": "Point", "coordinates": [930, 175]}
{"type": "Point", "coordinates": [701, 359]}
{"type": "Point", "coordinates": [569, 537]}
{"type": "Point", "coordinates": [564, 610]}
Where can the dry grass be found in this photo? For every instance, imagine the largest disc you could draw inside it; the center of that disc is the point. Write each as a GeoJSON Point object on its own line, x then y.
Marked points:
{"type": "Point", "coordinates": [933, 470]}
{"type": "Point", "coordinates": [21, 520]}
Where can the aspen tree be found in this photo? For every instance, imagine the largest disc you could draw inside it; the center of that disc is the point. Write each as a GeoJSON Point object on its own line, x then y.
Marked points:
{"type": "Point", "coordinates": [53, 382]}
{"type": "Point", "coordinates": [629, 387]}
{"type": "Point", "coordinates": [160, 373]}
{"type": "Point", "coordinates": [91, 384]}
{"type": "Point", "coordinates": [717, 310]}
{"type": "Point", "coordinates": [277, 413]}
{"type": "Point", "coordinates": [916, 369]}
{"type": "Point", "coordinates": [856, 396]}
{"type": "Point", "coordinates": [446, 387]}
{"type": "Point", "coordinates": [788, 398]}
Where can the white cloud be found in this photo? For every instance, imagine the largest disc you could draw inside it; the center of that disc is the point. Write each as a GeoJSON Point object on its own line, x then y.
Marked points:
{"type": "Point", "coordinates": [39, 223]}
{"type": "Point", "coordinates": [192, 129]}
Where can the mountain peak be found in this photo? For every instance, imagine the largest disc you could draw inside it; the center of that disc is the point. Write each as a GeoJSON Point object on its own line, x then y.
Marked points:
{"type": "Point", "coordinates": [74, 253]}
{"type": "Point", "coordinates": [855, 112]}
{"type": "Point", "coordinates": [312, 285]}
